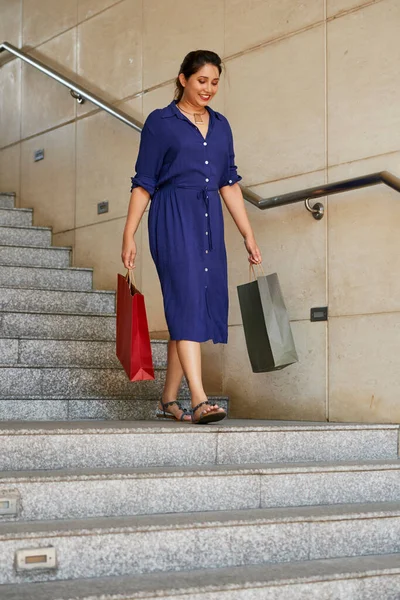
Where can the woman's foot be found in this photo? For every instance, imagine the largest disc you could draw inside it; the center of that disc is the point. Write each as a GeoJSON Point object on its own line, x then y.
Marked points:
{"type": "Point", "coordinates": [173, 409]}
{"type": "Point", "coordinates": [204, 411]}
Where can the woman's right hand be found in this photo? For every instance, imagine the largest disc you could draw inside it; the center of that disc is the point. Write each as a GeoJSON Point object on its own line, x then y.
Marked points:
{"type": "Point", "coordinates": [128, 253]}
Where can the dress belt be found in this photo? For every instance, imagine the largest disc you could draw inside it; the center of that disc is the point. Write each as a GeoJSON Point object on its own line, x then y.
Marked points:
{"type": "Point", "coordinates": [201, 194]}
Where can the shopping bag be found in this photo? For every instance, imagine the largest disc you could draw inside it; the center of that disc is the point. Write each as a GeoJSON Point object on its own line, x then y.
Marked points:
{"type": "Point", "coordinates": [266, 324]}
{"type": "Point", "coordinates": [133, 347]}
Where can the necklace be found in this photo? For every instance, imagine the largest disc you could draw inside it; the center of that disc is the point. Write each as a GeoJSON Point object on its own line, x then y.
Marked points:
{"type": "Point", "coordinates": [197, 116]}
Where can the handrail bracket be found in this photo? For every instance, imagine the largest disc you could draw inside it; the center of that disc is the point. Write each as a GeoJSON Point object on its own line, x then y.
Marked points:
{"type": "Point", "coordinates": [80, 99]}
{"type": "Point", "coordinates": [317, 210]}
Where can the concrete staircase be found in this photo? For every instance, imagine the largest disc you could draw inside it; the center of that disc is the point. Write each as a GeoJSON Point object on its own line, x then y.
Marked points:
{"type": "Point", "coordinates": [130, 508]}
{"type": "Point", "coordinates": [168, 510]}
{"type": "Point", "coordinates": [57, 335]}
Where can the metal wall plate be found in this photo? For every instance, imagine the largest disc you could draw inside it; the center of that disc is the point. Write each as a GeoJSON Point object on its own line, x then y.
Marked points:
{"type": "Point", "coordinates": [9, 504]}
{"type": "Point", "coordinates": [35, 559]}
{"type": "Point", "coordinates": [319, 314]}
{"type": "Point", "coordinates": [102, 207]}
{"type": "Point", "coordinates": [39, 155]}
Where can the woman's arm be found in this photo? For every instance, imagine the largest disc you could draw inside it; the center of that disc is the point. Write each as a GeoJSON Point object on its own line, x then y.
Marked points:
{"type": "Point", "coordinates": [148, 166]}
{"type": "Point", "coordinates": [137, 205]}
{"type": "Point", "coordinates": [234, 201]}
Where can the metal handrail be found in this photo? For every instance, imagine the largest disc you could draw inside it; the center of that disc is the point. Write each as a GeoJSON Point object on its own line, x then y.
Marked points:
{"type": "Point", "coordinates": [78, 92]}
{"type": "Point", "coordinates": [81, 94]}
{"type": "Point", "coordinates": [323, 190]}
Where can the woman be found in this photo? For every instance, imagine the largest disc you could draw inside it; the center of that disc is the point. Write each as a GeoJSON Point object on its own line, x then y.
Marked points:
{"type": "Point", "coordinates": [186, 156]}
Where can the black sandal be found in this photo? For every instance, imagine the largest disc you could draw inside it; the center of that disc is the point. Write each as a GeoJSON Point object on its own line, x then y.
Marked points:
{"type": "Point", "coordinates": [209, 416]}
{"type": "Point", "coordinates": [168, 415]}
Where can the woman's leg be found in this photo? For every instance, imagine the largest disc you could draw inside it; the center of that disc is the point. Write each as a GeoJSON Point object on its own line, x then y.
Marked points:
{"type": "Point", "coordinates": [190, 358]}
{"type": "Point", "coordinates": [173, 381]}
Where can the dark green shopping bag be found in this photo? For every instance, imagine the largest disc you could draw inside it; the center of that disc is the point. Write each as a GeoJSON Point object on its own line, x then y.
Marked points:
{"type": "Point", "coordinates": [266, 324]}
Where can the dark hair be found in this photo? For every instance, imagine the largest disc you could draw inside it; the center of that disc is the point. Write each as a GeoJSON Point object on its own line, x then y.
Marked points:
{"type": "Point", "coordinates": [192, 63]}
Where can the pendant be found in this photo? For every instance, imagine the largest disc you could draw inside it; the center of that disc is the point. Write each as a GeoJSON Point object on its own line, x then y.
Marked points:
{"type": "Point", "coordinates": [197, 118]}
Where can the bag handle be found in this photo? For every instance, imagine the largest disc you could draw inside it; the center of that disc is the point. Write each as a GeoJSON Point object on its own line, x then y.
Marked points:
{"type": "Point", "coordinates": [251, 270]}
{"type": "Point", "coordinates": [130, 278]}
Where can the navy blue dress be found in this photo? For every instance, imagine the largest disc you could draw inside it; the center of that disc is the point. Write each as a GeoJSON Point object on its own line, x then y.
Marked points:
{"type": "Point", "coordinates": [183, 171]}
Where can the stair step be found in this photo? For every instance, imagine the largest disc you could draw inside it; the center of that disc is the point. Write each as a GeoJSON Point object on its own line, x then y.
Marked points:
{"type": "Point", "coordinates": [60, 327]}
{"type": "Point", "coordinates": [98, 547]}
{"type": "Point", "coordinates": [27, 236]}
{"type": "Point", "coordinates": [85, 493]}
{"type": "Point", "coordinates": [7, 199]}
{"type": "Point", "coordinates": [98, 444]}
{"type": "Point", "coordinates": [60, 409]}
{"type": "Point", "coordinates": [67, 353]}
{"type": "Point", "coordinates": [16, 216]}
{"type": "Point", "coordinates": [56, 301]}
{"type": "Point", "coordinates": [350, 578]}
{"type": "Point", "coordinates": [69, 278]}
{"type": "Point", "coordinates": [28, 256]}
{"type": "Point", "coordinates": [26, 382]}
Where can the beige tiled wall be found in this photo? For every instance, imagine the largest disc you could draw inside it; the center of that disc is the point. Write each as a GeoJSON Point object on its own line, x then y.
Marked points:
{"type": "Point", "coordinates": [45, 19]}
{"type": "Point", "coordinates": [311, 90]}
{"type": "Point", "coordinates": [10, 21]}
{"type": "Point", "coordinates": [10, 169]}
{"type": "Point", "coordinates": [171, 28]}
{"type": "Point", "coordinates": [254, 22]}
{"type": "Point", "coordinates": [364, 368]}
{"type": "Point", "coordinates": [363, 82]}
{"type": "Point", "coordinates": [46, 103]}
{"type": "Point", "coordinates": [10, 103]}
{"type": "Point", "coordinates": [48, 186]}
{"type": "Point", "coordinates": [104, 151]}
{"type": "Point", "coordinates": [277, 114]}
{"type": "Point", "coordinates": [297, 392]}
{"type": "Point", "coordinates": [110, 52]}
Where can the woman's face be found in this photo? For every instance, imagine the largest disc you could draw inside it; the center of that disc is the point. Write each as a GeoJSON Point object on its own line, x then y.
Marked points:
{"type": "Point", "coordinates": [202, 86]}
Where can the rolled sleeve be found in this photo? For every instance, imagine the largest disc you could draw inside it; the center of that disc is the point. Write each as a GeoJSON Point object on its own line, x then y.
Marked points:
{"type": "Point", "coordinates": [150, 156]}
{"type": "Point", "coordinates": [232, 176]}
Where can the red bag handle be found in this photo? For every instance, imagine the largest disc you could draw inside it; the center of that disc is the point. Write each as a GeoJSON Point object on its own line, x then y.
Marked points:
{"type": "Point", "coordinates": [130, 278]}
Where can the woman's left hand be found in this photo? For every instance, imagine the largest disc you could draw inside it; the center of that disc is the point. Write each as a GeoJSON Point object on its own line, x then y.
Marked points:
{"type": "Point", "coordinates": [253, 250]}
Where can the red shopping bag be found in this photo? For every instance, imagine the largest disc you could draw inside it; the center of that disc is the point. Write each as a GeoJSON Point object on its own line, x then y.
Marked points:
{"type": "Point", "coordinates": [133, 340]}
